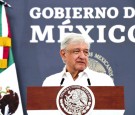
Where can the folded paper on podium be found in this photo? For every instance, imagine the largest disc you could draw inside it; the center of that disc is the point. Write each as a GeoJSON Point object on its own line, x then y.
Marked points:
{"type": "Point", "coordinates": [109, 100]}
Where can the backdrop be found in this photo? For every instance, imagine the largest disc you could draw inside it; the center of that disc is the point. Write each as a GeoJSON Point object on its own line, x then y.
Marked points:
{"type": "Point", "coordinates": [37, 27]}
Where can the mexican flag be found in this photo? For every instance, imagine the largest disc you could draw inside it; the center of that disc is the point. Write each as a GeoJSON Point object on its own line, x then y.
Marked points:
{"type": "Point", "coordinates": [10, 99]}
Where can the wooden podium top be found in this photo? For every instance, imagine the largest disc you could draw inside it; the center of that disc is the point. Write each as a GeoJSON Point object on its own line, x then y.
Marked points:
{"type": "Point", "coordinates": [106, 97]}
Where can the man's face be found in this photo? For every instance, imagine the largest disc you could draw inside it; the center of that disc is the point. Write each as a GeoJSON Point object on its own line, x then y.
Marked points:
{"type": "Point", "coordinates": [75, 56]}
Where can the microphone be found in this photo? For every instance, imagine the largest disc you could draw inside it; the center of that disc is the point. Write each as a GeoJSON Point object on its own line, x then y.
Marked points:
{"type": "Point", "coordinates": [62, 81]}
{"type": "Point", "coordinates": [88, 81]}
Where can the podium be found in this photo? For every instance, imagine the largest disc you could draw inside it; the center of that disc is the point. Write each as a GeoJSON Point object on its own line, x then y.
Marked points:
{"type": "Point", "coordinates": [106, 98]}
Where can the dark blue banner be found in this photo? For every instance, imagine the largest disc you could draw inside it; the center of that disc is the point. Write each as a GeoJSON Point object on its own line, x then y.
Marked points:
{"type": "Point", "coordinates": [39, 26]}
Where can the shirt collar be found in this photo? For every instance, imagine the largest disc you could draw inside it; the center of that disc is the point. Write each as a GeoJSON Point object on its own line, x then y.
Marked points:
{"type": "Point", "coordinates": [64, 71]}
{"type": "Point", "coordinates": [85, 71]}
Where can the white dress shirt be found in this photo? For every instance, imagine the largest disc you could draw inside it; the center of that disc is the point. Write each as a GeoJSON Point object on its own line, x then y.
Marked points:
{"type": "Point", "coordinates": [96, 79]}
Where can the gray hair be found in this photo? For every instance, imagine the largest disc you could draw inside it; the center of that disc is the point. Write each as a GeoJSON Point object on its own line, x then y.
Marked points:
{"type": "Point", "coordinates": [72, 38]}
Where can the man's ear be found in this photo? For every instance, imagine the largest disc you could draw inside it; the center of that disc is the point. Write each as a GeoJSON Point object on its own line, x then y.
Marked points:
{"type": "Point", "coordinates": [62, 54]}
